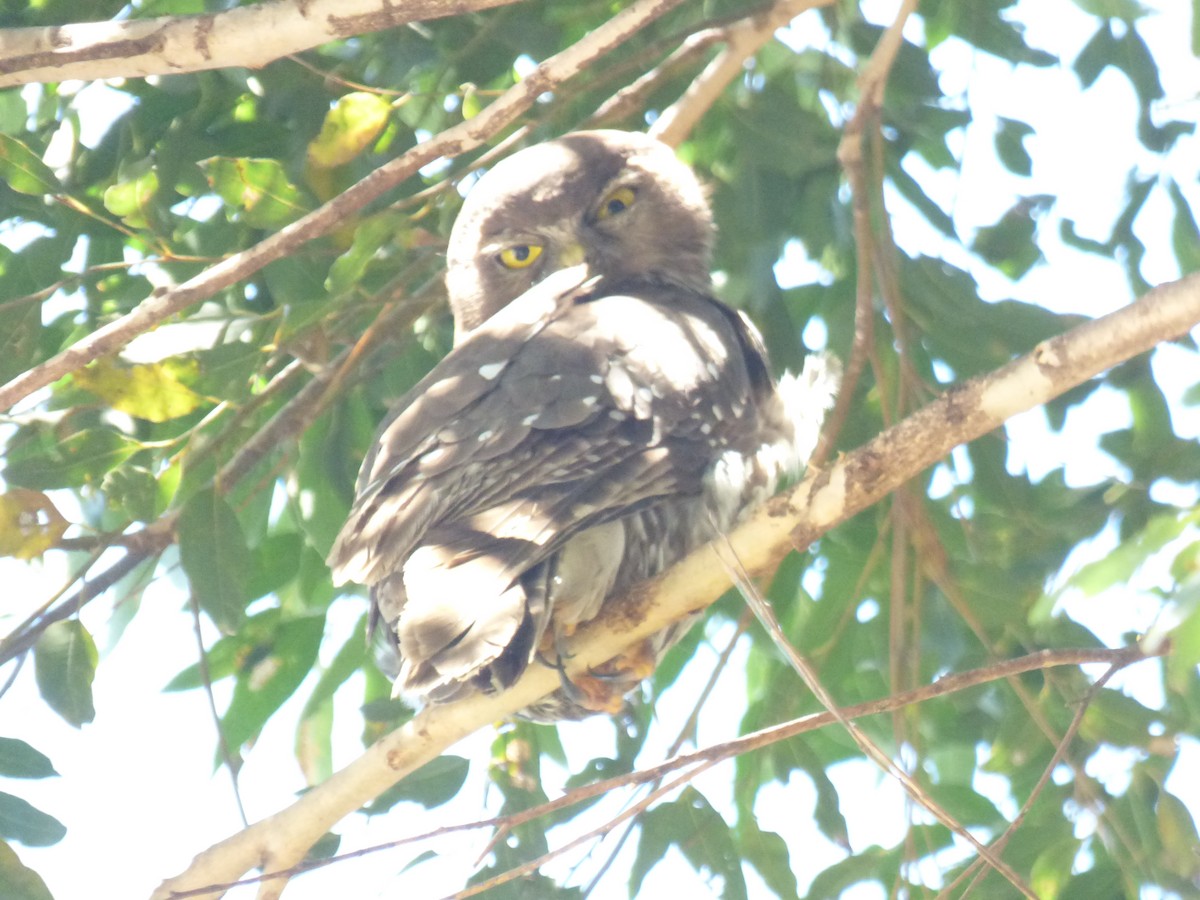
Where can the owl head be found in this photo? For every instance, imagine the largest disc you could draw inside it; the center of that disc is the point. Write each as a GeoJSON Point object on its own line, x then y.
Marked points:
{"type": "Point", "coordinates": [617, 201]}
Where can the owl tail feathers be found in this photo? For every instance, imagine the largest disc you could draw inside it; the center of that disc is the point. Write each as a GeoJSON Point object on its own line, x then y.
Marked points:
{"type": "Point", "coordinates": [457, 634]}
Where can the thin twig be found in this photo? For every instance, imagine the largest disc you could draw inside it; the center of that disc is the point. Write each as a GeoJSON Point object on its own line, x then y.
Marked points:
{"type": "Point", "coordinates": [632, 98]}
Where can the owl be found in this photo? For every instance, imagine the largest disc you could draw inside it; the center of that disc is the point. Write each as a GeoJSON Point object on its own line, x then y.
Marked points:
{"type": "Point", "coordinates": [600, 416]}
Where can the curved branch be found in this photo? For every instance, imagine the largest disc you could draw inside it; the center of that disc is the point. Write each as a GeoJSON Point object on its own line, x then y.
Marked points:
{"type": "Point", "coordinates": [249, 36]}
{"type": "Point", "coordinates": [452, 142]}
{"type": "Point", "coordinates": [851, 484]}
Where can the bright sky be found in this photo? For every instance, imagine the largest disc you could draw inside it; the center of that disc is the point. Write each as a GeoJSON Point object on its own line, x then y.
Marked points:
{"type": "Point", "coordinates": [137, 793]}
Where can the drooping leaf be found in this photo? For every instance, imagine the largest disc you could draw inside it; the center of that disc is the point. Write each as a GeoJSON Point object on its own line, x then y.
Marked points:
{"type": "Point", "coordinates": [19, 760]}
{"type": "Point", "coordinates": [23, 170]}
{"type": "Point", "coordinates": [20, 821]}
{"type": "Point", "coordinates": [65, 663]}
{"type": "Point", "coordinates": [214, 555]}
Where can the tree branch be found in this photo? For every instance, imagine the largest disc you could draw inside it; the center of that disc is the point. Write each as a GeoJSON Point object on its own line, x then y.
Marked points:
{"type": "Point", "coordinates": [452, 142]}
{"type": "Point", "coordinates": [851, 484]}
{"type": "Point", "coordinates": [249, 36]}
{"type": "Point", "coordinates": [742, 40]}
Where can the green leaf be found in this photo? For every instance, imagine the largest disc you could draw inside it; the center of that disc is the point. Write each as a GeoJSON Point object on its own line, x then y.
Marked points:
{"type": "Point", "coordinates": [21, 277]}
{"type": "Point", "coordinates": [214, 555]}
{"type": "Point", "coordinates": [20, 821]}
{"type": "Point", "coordinates": [1125, 10]}
{"type": "Point", "coordinates": [269, 675]}
{"type": "Point", "coordinates": [370, 234]}
{"type": "Point", "coordinates": [274, 564]}
{"type": "Point", "coordinates": [23, 169]}
{"type": "Point", "coordinates": [1119, 720]}
{"type": "Point", "coordinates": [1185, 637]}
{"type": "Point", "coordinates": [691, 824]}
{"type": "Point", "coordinates": [19, 760]}
{"type": "Point", "coordinates": [1195, 27]}
{"type": "Point", "coordinates": [1118, 566]}
{"type": "Point", "coordinates": [133, 198]}
{"type": "Point", "coordinates": [769, 854]}
{"type": "Point", "coordinates": [1009, 245]}
{"type": "Point", "coordinates": [1098, 53]}
{"type": "Point", "coordinates": [20, 882]}
{"type": "Point", "coordinates": [257, 191]}
{"type": "Point", "coordinates": [1101, 883]}
{"type": "Point", "coordinates": [14, 112]}
{"type": "Point", "coordinates": [1185, 233]}
{"type": "Point", "coordinates": [1010, 146]}
{"type": "Point", "coordinates": [873, 866]}
{"type": "Point", "coordinates": [65, 663]}
{"type": "Point", "coordinates": [436, 782]}
{"type": "Point", "coordinates": [135, 490]}
{"type": "Point", "coordinates": [72, 452]}
{"type": "Point", "coordinates": [1177, 830]}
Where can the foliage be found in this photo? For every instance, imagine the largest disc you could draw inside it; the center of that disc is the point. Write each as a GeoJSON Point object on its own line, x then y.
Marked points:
{"type": "Point", "coordinates": [968, 564]}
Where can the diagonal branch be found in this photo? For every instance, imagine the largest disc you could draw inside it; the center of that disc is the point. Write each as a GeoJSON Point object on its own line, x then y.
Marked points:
{"type": "Point", "coordinates": [742, 40]}
{"type": "Point", "coordinates": [851, 484]}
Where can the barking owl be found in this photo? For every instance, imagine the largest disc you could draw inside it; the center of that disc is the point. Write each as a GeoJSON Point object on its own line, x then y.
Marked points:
{"type": "Point", "coordinates": [600, 416]}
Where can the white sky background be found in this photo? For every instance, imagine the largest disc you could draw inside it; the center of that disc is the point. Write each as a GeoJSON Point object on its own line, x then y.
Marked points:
{"type": "Point", "coordinates": [138, 795]}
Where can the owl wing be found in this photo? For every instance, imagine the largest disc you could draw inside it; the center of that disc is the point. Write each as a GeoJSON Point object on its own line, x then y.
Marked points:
{"type": "Point", "coordinates": [579, 403]}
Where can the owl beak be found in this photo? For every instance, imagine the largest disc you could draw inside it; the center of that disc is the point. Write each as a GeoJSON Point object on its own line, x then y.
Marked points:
{"type": "Point", "coordinates": [572, 255]}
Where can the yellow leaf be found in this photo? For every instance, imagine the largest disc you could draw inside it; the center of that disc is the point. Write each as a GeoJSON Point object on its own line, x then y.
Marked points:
{"type": "Point", "coordinates": [29, 523]}
{"type": "Point", "coordinates": [153, 392]}
{"type": "Point", "coordinates": [351, 126]}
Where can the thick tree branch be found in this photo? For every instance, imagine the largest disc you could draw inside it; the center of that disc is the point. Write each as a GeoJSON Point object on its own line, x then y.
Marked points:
{"type": "Point", "coordinates": [851, 484]}
{"type": "Point", "coordinates": [452, 142]}
{"type": "Point", "coordinates": [249, 36]}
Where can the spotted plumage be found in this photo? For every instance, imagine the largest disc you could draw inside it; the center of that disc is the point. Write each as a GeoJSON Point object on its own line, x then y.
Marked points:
{"type": "Point", "coordinates": [600, 416]}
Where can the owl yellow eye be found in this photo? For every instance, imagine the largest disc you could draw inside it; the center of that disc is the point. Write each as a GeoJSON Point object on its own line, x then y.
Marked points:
{"type": "Point", "coordinates": [519, 256]}
{"type": "Point", "coordinates": [616, 202]}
